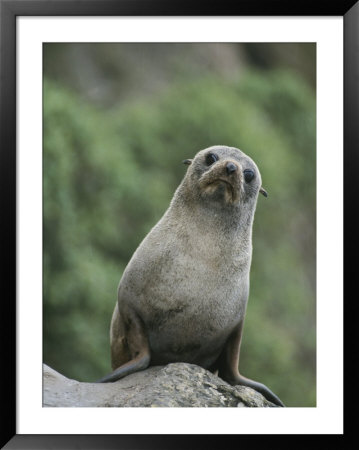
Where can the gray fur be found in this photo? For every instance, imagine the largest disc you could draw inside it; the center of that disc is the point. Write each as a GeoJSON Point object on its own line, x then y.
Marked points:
{"type": "Point", "coordinates": [189, 279]}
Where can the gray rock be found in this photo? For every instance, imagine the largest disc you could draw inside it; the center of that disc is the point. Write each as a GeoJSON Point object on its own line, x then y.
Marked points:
{"type": "Point", "coordinates": [174, 385]}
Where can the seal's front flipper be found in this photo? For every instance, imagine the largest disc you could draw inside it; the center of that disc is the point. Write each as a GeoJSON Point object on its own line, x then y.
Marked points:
{"type": "Point", "coordinates": [261, 388]}
{"type": "Point", "coordinates": [228, 367]}
{"type": "Point", "coordinates": [141, 362]}
{"type": "Point", "coordinates": [138, 348]}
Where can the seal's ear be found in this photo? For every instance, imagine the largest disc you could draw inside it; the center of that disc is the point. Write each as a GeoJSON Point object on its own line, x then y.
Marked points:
{"type": "Point", "coordinates": [263, 191]}
{"type": "Point", "coordinates": [188, 162]}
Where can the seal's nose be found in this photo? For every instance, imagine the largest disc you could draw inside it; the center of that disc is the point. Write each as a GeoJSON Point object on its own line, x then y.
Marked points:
{"type": "Point", "coordinates": [231, 168]}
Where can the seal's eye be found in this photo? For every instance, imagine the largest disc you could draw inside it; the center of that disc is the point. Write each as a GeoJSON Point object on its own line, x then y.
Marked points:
{"type": "Point", "coordinates": [211, 158]}
{"type": "Point", "coordinates": [248, 175]}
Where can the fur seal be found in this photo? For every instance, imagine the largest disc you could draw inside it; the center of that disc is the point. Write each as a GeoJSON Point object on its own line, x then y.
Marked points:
{"type": "Point", "coordinates": [183, 295]}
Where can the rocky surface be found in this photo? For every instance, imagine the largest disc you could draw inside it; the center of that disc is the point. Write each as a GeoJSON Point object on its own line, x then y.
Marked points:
{"type": "Point", "coordinates": [174, 385]}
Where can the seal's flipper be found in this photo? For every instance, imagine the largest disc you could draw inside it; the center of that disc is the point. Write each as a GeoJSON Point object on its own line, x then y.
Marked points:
{"type": "Point", "coordinates": [141, 362]}
{"type": "Point", "coordinates": [137, 347]}
{"type": "Point", "coordinates": [228, 367]}
{"type": "Point", "coordinates": [261, 388]}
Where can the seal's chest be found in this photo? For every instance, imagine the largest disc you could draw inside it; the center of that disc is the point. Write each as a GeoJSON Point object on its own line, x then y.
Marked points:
{"type": "Point", "coordinates": [190, 335]}
{"type": "Point", "coordinates": [210, 314]}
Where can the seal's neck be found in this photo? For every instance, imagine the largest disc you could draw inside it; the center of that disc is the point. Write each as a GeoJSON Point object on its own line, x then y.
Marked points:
{"type": "Point", "coordinates": [229, 224]}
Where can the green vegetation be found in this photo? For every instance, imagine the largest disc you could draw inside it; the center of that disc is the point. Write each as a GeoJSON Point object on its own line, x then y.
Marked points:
{"type": "Point", "coordinates": [109, 175]}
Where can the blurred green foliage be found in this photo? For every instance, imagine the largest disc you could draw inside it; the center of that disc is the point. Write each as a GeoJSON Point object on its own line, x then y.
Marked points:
{"type": "Point", "coordinates": [109, 175]}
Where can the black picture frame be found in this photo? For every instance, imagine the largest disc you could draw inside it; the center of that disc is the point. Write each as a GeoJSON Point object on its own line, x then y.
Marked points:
{"type": "Point", "coordinates": [9, 10]}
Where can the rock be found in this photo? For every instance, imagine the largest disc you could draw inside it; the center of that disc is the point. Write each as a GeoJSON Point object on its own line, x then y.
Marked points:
{"type": "Point", "coordinates": [175, 385]}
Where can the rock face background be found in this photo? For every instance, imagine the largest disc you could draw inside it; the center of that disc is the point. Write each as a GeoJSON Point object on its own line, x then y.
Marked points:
{"type": "Point", "coordinates": [174, 385]}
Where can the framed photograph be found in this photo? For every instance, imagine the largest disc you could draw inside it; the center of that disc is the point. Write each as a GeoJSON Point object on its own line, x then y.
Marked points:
{"type": "Point", "coordinates": [101, 102]}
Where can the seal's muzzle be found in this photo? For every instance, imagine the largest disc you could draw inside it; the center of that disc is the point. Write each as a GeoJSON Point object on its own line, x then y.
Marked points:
{"type": "Point", "coordinates": [224, 176]}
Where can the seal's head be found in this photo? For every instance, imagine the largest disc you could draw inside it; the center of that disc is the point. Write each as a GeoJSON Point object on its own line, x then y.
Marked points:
{"type": "Point", "coordinates": [224, 175]}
